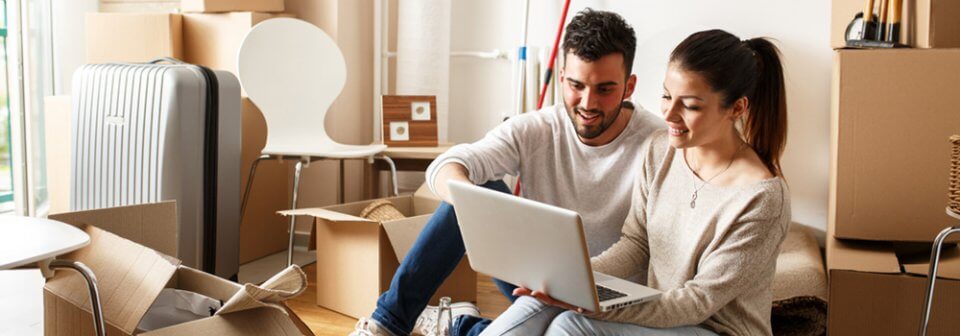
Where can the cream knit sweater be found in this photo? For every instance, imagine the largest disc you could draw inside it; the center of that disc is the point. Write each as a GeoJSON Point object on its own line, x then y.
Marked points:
{"type": "Point", "coordinates": [715, 263]}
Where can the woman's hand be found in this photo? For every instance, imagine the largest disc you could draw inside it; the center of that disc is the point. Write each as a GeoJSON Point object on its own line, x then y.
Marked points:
{"type": "Point", "coordinates": [545, 298]}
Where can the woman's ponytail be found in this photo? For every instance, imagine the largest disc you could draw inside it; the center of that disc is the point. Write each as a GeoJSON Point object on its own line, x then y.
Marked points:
{"type": "Point", "coordinates": [765, 126]}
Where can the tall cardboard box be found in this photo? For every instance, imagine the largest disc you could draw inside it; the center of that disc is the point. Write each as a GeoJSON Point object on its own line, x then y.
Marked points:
{"type": "Point", "coordinates": [878, 288]}
{"type": "Point", "coordinates": [130, 276]}
{"type": "Point", "coordinates": [926, 23]}
{"type": "Point", "coordinates": [893, 112]}
{"type": "Point", "coordinates": [213, 39]}
{"type": "Point", "coordinates": [133, 37]}
{"type": "Point", "coordinates": [210, 6]}
{"type": "Point", "coordinates": [262, 230]}
{"type": "Point", "coordinates": [57, 139]}
{"type": "Point", "coordinates": [357, 257]}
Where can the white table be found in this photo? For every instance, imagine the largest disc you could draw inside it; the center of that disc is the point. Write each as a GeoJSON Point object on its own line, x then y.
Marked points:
{"type": "Point", "coordinates": [27, 240]}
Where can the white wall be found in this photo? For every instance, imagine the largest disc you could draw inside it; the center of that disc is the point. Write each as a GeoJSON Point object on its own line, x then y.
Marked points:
{"type": "Point", "coordinates": [480, 89]}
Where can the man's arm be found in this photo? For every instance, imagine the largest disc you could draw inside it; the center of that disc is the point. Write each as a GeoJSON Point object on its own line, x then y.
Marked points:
{"type": "Point", "coordinates": [490, 158]}
{"type": "Point", "coordinates": [451, 171]}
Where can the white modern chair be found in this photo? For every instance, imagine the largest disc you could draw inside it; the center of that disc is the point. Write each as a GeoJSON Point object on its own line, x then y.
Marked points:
{"type": "Point", "coordinates": [294, 71]}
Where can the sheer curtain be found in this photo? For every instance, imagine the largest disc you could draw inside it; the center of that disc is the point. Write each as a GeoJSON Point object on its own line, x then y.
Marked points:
{"type": "Point", "coordinates": [28, 80]}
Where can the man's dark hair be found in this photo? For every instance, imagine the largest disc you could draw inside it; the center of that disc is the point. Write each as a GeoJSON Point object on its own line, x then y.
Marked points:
{"type": "Point", "coordinates": [594, 34]}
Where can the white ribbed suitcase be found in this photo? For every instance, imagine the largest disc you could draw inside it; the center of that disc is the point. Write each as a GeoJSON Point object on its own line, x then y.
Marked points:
{"type": "Point", "coordinates": [145, 133]}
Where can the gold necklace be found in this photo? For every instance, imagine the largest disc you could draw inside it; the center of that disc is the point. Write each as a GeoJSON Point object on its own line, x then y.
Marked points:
{"type": "Point", "coordinates": [696, 190]}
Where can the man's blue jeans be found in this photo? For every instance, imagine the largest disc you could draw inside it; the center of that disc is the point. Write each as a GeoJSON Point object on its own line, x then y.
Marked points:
{"type": "Point", "coordinates": [434, 255]}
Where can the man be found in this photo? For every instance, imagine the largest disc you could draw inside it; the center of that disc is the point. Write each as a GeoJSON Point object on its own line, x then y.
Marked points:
{"type": "Point", "coordinates": [581, 155]}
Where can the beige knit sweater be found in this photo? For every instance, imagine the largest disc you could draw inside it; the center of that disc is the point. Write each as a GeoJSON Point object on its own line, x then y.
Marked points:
{"type": "Point", "coordinates": [715, 262]}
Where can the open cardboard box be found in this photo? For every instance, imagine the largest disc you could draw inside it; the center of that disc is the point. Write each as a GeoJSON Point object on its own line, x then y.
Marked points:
{"type": "Point", "coordinates": [130, 276]}
{"type": "Point", "coordinates": [878, 288]}
{"type": "Point", "coordinates": [357, 257]}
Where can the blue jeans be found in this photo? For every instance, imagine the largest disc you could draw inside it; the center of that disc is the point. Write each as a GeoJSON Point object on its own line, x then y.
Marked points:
{"type": "Point", "coordinates": [529, 316]}
{"type": "Point", "coordinates": [431, 259]}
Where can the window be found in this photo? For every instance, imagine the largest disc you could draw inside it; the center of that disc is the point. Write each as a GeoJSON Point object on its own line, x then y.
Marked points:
{"type": "Point", "coordinates": [25, 79]}
{"type": "Point", "coordinates": [6, 175]}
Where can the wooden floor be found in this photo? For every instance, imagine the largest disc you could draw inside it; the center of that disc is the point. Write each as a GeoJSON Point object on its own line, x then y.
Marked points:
{"type": "Point", "coordinates": [326, 322]}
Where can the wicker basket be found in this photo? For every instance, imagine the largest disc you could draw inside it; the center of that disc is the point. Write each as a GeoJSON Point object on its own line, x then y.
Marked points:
{"type": "Point", "coordinates": [954, 192]}
{"type": "Point", "coordinates": [381, 211]}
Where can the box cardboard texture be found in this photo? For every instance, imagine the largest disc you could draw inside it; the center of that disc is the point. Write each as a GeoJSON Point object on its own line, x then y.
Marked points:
{"type": "Point", "coordinates": [133, 37]}
{"type": "Point", "coordinates": [925, 23]}
{"type": "Point", "coordinates": [56, 129]}
{"type": "Point", "coordinates": [209, 6]}
{"type": "Point", "coordinates": [891, 119]}
{"type": "Point", "coordinates": [213, 40]}
{"type": "Point", "coordinates": [131, 275]}
{"type": "Point", "coordinates": [878, 288]}
{"type": "Point", "coordinates": [356, 257]}
{"type": "Point", "coordinates": [262, 231]}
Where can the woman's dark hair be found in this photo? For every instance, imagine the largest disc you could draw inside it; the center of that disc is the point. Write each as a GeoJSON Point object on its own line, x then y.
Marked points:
{"type": "Point", "coordinates": [749, 68]}
{"type": "Point", "coordinates": [593, 34]}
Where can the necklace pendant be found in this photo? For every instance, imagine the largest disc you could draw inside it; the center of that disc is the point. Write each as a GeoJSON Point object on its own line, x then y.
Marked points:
{"type": "Point", "coordinates": [693, 200]}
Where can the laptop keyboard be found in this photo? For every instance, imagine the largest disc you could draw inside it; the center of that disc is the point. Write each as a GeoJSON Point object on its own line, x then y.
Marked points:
{"type": "Point", "coordinates": [608, 294]}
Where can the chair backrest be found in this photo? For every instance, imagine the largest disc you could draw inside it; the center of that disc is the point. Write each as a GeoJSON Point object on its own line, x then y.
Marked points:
{"type": "Point", "coordinates": [293, 71]}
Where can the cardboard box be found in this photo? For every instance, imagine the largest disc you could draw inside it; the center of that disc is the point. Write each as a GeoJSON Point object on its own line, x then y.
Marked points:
{"type": "Point", "coordinates": [926, 23]}
{"type": "Point", "coordinates": [262, 232]}
{"type": "Point", "coordinates": [356, 257]}
{"type": "Point", "coordinates": [213, 40]}
{"type": "Point", "coordinates": [130, 276]}
{"type": "Point", "coordinates": [57, 139]}
{"type": "Point", "coordinates": [892, 115]}
{"type": "Point", "coordinates": [133, 37]}
{"type": "Point", "coordinates": [209, 6]}
{"type": "Point", "coordinates": [879, 288]}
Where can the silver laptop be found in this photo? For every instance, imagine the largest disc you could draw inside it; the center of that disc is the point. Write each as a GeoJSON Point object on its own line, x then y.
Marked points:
{"type": "Point", "coordinates": [537, 246]}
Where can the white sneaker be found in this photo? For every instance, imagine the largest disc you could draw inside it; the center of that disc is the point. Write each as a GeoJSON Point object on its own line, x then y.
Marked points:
{"type": "Point", "coordinates": [436, 322]}
{"type": "Point", "coordinates": [369, 327]}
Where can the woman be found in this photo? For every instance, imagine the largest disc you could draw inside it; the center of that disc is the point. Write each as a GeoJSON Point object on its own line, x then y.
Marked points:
{"type": "Point", "coordinates": [710, 207]}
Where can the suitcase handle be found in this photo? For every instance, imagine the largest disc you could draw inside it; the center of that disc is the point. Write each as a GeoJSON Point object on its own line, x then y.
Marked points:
{"type": "Point", "coordinates": [170, 60]}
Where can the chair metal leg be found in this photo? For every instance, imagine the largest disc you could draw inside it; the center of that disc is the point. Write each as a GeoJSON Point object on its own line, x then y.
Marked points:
{"type": "Point", "coordinates": [91, 285]}
{"type": "Point", "coordinates": [393, 173]}
{"type": "Point", "coordinates": [293, 205]}
{"type": "Point", "coordinates": [246, 192]}
{"type": "Point", "coordinates": [934, 263]}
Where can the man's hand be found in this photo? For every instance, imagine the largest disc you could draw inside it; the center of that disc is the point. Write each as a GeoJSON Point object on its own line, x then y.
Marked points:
{"type": "Point", "coordinates": [545, 298]}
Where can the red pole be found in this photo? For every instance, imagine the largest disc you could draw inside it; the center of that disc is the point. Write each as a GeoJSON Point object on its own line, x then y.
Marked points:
{"type": "Point", "coordinates": [553, 55]}
{"type": "Point", "coordinates": [549, 73]}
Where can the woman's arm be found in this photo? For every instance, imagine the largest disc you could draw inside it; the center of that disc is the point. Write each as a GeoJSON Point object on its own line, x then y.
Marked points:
{"type": "Point", "coordinates": [744, 259]}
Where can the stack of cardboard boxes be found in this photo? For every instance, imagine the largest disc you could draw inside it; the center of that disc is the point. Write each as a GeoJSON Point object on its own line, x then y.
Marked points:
{"type": "Point", "coordinates": [208, 33]}
{"type": "Point", "coordinates": [356, 257]}
{"type": "Point", "coordinates": [892, 113]}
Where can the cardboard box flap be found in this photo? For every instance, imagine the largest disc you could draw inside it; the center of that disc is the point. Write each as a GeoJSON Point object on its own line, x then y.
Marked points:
{"type": "Point", "coordinates": [325, 214]}
{"type": "Point", "coordinates": [424, 201]}
{"type": "Point", "coordinates": [215, 287]}
{"type": "Point", "coordinates": [949, 264]}
{"type": "Point", "coordinates": [860, 256]}
{"type": "Point", "coordinates": [402, 233]}
{"type": "Point", "coordinates": [152, 225]}
{"type": "Point", "coordinates": [425, 193]}
{"type": "Point", "coordinates": [129, 277]}
{"type": "Point", "coordinates": [254, 322]}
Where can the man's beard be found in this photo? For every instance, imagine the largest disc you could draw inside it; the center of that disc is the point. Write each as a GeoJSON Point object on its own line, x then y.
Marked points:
{"type": "Point", "coordinates": [590, 133]}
